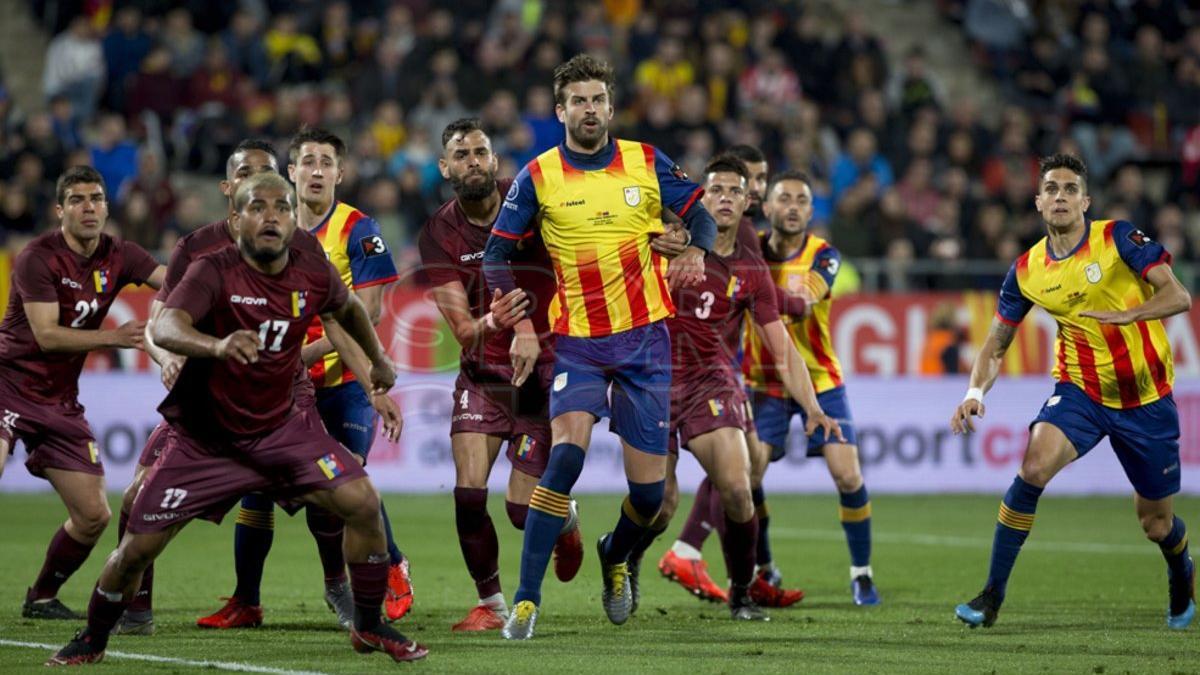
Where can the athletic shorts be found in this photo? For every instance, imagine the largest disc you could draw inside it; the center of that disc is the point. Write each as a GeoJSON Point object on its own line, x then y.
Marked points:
{"type": "Point", "coordinates": [204, 478]}
{"type": "Point", "coordinates": [519, 415]}
{"type": "Point", "coordinates": [154, 445]}
{"type": "Point", "coordinates": [348, 416]}
{"type": "Point", "coordinates": [703, 404]}
{"type": "Point", "coordinates": [773, 416]}
{"type": "Point", "coordinates": [56, 435]}
{"type": "Point", "coordinates": [1145, 438]}
{"type": "Point", "coordinates": [637, 365]}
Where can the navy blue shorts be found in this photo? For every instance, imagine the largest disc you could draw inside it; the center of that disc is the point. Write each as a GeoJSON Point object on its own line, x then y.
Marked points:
{"type": "Point", "coordinates": [637, 363]}
{"type": "Point", "coordinates": [773, 416]}
{"type": "Point", "coordinates": [1145, 438]}
{"type": "Point", "coordinates": [348, 416]}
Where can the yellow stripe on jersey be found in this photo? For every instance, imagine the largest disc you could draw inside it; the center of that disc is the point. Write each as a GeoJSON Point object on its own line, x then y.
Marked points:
{"type": "Point", "coordinates": [597, 227]}
{"type": "Point", "coordinates": [333, 235]}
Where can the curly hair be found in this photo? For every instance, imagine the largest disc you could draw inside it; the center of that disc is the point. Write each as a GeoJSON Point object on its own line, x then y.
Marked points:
{"type": "Point", "coordinates": [582, 68]}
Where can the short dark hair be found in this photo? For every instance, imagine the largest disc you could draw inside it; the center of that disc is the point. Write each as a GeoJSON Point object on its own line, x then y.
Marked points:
{"type": "Point", "coordinates": [726, 163]}
{"type": "Point", "coordinates": [790, 174]}
{"type": "Point", "coordinates": [77, 175]}
{"type": "Point", "coordinates": [746, 153]}
{"type": "Point", "coordinates": [316, 135]}
{"type": "Point", "coordinates": [247, 145]}
{"type": "Point", "coordinates": [1062, 160]}
{"type": "Point", "coordinates": [462, 125]}
{"type": "Point", "coordinates": [582, 68]}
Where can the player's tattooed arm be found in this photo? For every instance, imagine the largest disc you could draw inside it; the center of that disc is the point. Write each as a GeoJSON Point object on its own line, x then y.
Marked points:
{"type": "Point", "coordinates": [1170, 298]}
{"type": "Point", "coordinates": [353, 317]}
{"type": "Point", "coordinates": [983, 374]}
{"type": "Point", "coordinates": [790, 366]}
{"type": "Point", "coordinates": [51, 337]}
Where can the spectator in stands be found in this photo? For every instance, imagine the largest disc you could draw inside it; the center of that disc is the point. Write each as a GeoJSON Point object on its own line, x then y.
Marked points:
{"type": "Point", "coordinates": [155, 88]}
{"type": "Point", "coordinates": [1041, 74]}
{"type": "Point", "coordinates": [153, 188]}
{"type": "Point", "coordinates": [666, 74]}
{"type": "Point", "coordinates": [861, 168]}
{"type": "Point", "coordinates": [245, 48]}
{"type": "Point", "coordinates": [215, 81]}
{"type": "Point", "coordinates": [946, 343]}
{"type": "Point", "coordinates": [185, 43]}
{"type": "Point", "coordinates": [999, 28]}
{"type": "Point", "coordinates": [915, 87]}
{"type": "Point", "coordinates": [126, 44]}
{"type": "Point", "coordinates": [114, 155]}
{"type": "Point", "coordinates": [75, 67]}
{"type": "Point", "coordinates": [294, 57]}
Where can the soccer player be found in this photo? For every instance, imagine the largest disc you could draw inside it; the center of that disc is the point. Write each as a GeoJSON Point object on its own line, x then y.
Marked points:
{"type": "Point", "coordinates": [1108, 286]}
{"type": "Point", "coordinates": [63, 284]}
{"type": "Point", "coordinates": [488, 410]}
{"type": "Point", "coordinates": [805, 266]}
{"type": "Point", "coordinates": [234, 424]}
{"type": "Point", "coordinates": [598, 200]}
{"type": "Point", "coordinates": [249, 158]}
{"type": "Point", "coordinates": [708, 405]}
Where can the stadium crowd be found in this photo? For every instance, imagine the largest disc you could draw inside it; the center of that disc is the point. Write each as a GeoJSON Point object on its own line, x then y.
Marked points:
{"type": "Point", "coordinates": [145, 89]}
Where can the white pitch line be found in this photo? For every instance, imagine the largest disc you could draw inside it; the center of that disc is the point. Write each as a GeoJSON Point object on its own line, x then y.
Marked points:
{"type": "Point", "coordinates": [219, 665]}
{"type": "Point", "coordinates": [971, 542]}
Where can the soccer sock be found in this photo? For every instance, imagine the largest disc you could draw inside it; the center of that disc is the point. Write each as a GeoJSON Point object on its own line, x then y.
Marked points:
{"type": "Point", "coordinates": [855, 514]}
{"type": "Point", "coordinates": [696, 528]}
{"type": "Point", "coordinates": [1175, 547]}
{"type": "Point", "coordinates": [477, 537]}
{"type": "Point", "coordinates": [394, 554]}
{"type": "Point", "coordinates": [1015, 520]}
{"type": "Point", "coordinates": [637, 514]}
{"type": "Point", "coordinates": [368, 585]}
{"type": "Point", "coordinates": [739, 544]}
{"type": "Point", "coordinates": [253, 533]}
{"type": "Point", "coordinates": [64, 555]}
{"type": "Point", "coordinates": [764, 520]}
{"type": "Point", "coordinates": [517, 513]}
{"type": "Point", "coordinates": [639, 549]}
{"type": "Point", "coordinates": [327, 531]}
{"type": "Point", "coordinates": [142, 602]}
{"type": "Point", "coordinates": [104, 610]}
{"type": "Point", "coordinates": [548, 509]}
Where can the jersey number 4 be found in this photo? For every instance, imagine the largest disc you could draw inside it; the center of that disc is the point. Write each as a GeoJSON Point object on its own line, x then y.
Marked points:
{"type": "Point", "coordinates": [276, 326]}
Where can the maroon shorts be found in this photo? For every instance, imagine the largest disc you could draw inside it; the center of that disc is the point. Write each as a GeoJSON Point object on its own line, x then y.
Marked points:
{"type": "Point", "coordinates": [703, 404]}
{"type": "Point", "coordinates": [196, 478]}
{"type": "Point", "coordinates": [519, 415]}
{"type": "Point", "coordinates": [56, 435]}
{"type": "Point", "coordinates": [154, 445]}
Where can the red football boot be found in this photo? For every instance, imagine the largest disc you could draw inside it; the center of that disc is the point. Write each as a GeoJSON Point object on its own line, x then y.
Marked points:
{"type": "Point", "coordinates": [383, 638]}
{"type": "Point", "coordinates": [693, 576]}
{"type": "Point", "coordinates": [235, 614]}
{"type": "Point", "coordinates": [480, 618]}
{"type": "Point", "coordinates": [762, 592]}
{"type": "Point", "coordinates": [399, 591]}
{"type": "Point", "coordinates": [79, 651]}
{"type": "Point", "coordinates": [568, 549]}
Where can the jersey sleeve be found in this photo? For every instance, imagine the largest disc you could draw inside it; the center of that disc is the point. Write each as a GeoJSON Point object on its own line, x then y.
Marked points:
{"type": "Point", "coordinates": [370, 258]}
{"type": "Point", "coordinates": [338, 293]}
{"type": "Point", "coordinates": [826, 264]}
{"type": "Point", "coordinates": [198, 290]}
{"type": "Point", "coordinates": [32, 278]}
{"type": "Point", "coordinates": [678, 192]}
{"type": "Point", "coordinates": [1137, 249]}
{"type": "Point", "coordinates": [436, 263]}
{"type": "Point", "coordinates": [761, 295]}
{"type": "Point", "coordinates": [516, 219]}
{"type": "Point", "coordinates": [177, 266]}
{"type": "Point", "coordinates": [1012, 305]}
{"type": "Point", "coordinates": [139, 265]}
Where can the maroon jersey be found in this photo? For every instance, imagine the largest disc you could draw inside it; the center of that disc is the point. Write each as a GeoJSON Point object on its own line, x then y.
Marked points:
{"type": "Point", "coordinates": [748, 236]}
{"type": "Point", "coordinates": [452, 250]}
{"type": "Point", "coordinates": [222, 294]}
{"type": "Point", "coordinates": [84, 288]}
{"type": "Point", "coordinates": [707, 326]}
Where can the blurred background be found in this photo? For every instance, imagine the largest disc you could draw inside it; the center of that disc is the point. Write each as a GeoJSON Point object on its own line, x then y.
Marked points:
{"type": "Point", "coordinates": [921, 122]}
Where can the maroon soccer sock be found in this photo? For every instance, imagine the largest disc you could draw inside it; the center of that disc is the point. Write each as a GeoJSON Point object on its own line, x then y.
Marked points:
{"type": "Point", "coordinates": [143, 601]}
{"type": "Point", "coordinates": [698, 526]}
{"type": "Point", "coordinates": [739, 544]}
{"type": "Point", "coordinates": [63, 557]}
{"type": "Point", "coordinates": [477, 537]}
{"type": "Point", "coordinates": [368, 584]}
{"type": "Point", "coordinates": [327, 530]}
{"type": "Point", "coordinates": [103, 614]}
{"type": "Point", "coordinates": [517, 513]}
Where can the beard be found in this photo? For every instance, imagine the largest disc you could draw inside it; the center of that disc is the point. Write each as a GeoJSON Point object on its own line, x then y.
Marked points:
{"type": "Point", "coordinates": [588, 138]}
{"type": "Point", "coordinates": [753, 209]}
{"type": "Point", "coordinates": [262, 256]}
{"type": "Point", "coordinates": [472, 192]}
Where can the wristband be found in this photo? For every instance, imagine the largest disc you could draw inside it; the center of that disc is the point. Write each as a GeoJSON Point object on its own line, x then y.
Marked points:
{"type": "Point", "coordinates": [687, 233]}
{"type": "Point", "coordinates": [974, 394]}
{"type": "Point", "coordinates": [490, 322]}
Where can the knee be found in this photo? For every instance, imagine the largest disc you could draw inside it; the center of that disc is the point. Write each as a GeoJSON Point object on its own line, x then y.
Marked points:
{"type": "Point", "coordinates": [134, 555]}
{"type": "Point", "coordinates": [90, 522]}
{"type": "Point", "coordinates": [848, 480]}
{"type": "Point", "coordinates": [737, 502]}
{"type": "Point", "coordinates": [1036, 469]}
{"type": "Point", "coordinates": [647, 498]}
{"type": "Point", "coordinates": [670, 502]}
{"type": "Point", "coordinates": [361, 507]}
{"type": "Point", "coordinates": [1156, 525]}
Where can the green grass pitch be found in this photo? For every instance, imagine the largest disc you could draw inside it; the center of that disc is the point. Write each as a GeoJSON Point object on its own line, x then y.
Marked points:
{"type": "Point", "coordinates": [1088, 595]}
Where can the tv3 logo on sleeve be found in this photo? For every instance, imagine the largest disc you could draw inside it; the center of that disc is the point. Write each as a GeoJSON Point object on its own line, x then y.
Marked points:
{"type": "Point", "coordinates": [373, 246]}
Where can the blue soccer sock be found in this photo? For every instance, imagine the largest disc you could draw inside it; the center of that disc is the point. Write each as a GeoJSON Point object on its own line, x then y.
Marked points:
{"type": "Point", "coordinates": [763, 554]}
{"type": "Point", "coordinates": [1013, 526]}
{"type": "Point", "coordinates": [253, 533]}
{"type": "Point", "coordinates": [394, 554]}
{"type": "Point", "coordinates": [548, 509]}
{"type": "Point", "coordinates": [855, 514]}
{"type": "Point", "coordinates": [637, 515]}
{"type": "Point", "coordinates": [1175, 547]}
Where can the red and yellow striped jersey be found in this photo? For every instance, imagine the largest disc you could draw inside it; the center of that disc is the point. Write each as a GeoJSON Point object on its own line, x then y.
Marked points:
{"type": "Point", "coordinates": [354, 244]}
{"type": "Point", "coordinates": [814, 266]}
{"type": "Point", "coordinates": [1116, 366]}
{"type": "Point", "coordinates": [597, 215]}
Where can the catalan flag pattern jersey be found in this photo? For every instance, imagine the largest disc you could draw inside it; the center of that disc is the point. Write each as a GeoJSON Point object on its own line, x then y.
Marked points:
{"type": "Point", "coordinates": [1116, 366]}
{"type": "Point", "coordinates": [354, 244]}
{"type": "Point", "coordinates": [814, 266]}
{"type": "Point", "coordinates": [597, 215]}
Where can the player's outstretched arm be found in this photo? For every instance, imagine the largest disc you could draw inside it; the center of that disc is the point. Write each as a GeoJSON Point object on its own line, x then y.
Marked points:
{"type": "Point", "coordinates": [983, 374]}
{"type": "Point", "coordinates": [174, 331]}
{"type": "Point", "coordinates": [794, 373]}
{"type": "Point", "coordinates": [51, 337]}
{"type": "Point", "coordinates": [1170, 298]}
{"type": "Point", "coordinates": [353, 317]}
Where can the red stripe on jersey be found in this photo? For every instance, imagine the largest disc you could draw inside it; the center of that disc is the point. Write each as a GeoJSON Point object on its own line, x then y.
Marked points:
{"type": "Point", "coordinates": [691, 200]}
{"type": "Point", "coordinates": [1126, 379]}
{"type": "Point", "coordinates": [376, 282]}
{"type": "Point", "coordinates": [1164, 259]}
{"type": "Point", "coordinates": [351, 220]}
{"type": "Point", "coordinates": [1063, 375]}
{"type": "Point", "coordinates": [663, 290]}
{"type": "Point", "coordinates": [818, 348]}
{"type": "Point", "coordinates": [1158, 372]}
{"type": "Point", "coordinates": [591, 284]}
{"type": "Point", "coordinates": [562, 326]}
{"type": "Point", "coordinates": [648, 151]}
{"type": "Point", "coordinates": [535, 173]}
{"type": "Point", "coordinates": [1085, 248]}
{"type": "Point", "coordinates": [1022, 266]}
{"type": "Point", "coordinates": [617, 165]}
{"type": "Point", "coordinates": [1087, 365]}
{"type": "Point", "coordinates": [635, 285]}
{"type": "Point", "coordinates": [569, 172]}
{"type": "Point", "coordinates": [506, 235]}
{"type": "Point", "coordinates": [1007, 321]}
{"type": "Point", "coordinates": [1108, 232]}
